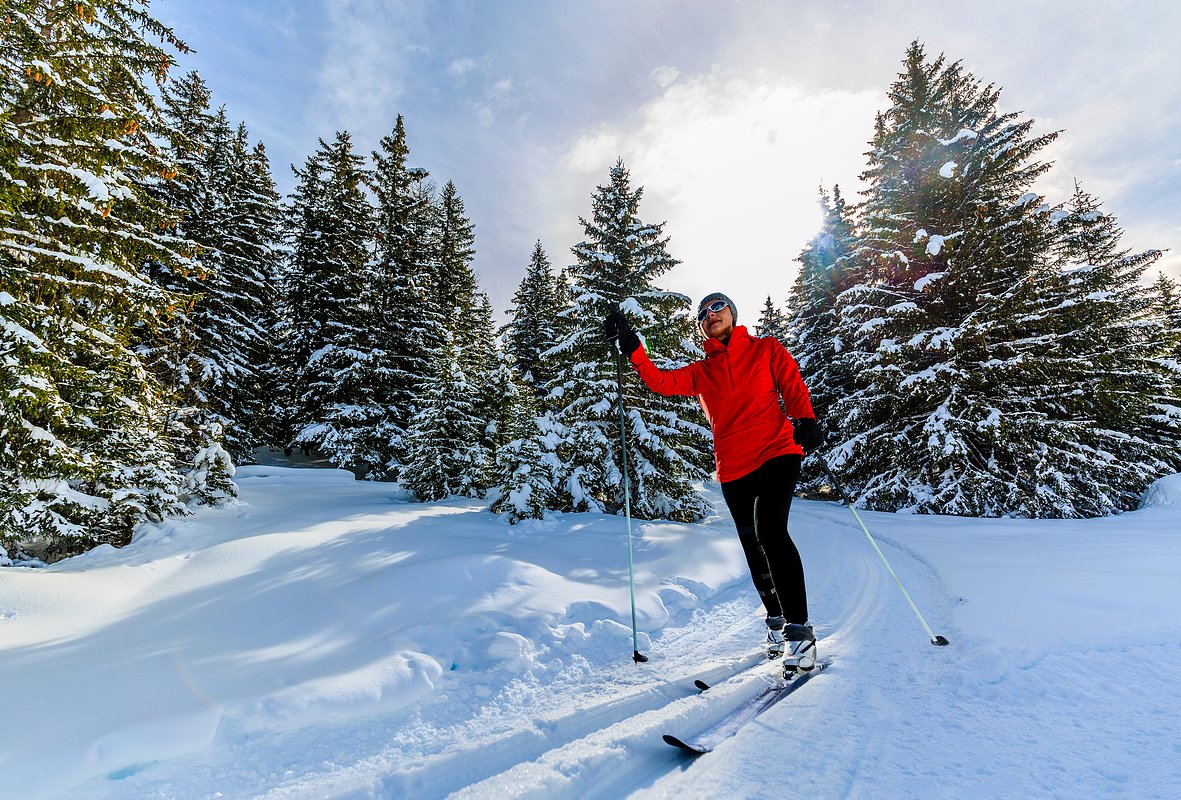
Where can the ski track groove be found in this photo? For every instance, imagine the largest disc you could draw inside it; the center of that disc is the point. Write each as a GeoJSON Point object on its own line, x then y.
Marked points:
{"type": "Point", "coordinates": [622, 755]}
{"type": "Point", "coordinates": [548, 732]}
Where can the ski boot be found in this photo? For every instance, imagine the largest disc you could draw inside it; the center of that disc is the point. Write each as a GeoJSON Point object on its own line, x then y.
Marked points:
{"type": "Point", "coordinates": [775, 640]}
{"type": "Point", "coordinates": [800, 651]}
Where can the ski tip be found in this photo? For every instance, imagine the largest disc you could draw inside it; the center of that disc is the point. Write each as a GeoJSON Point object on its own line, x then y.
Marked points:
{"type": "Point", "coordinates": [702, 685]}
{"type": "Point", "coordinates": [639, 657]}
{"type": "Point", "coordinates": [688, 748]}
{"type": "Point", "coordinates": [940, 641]}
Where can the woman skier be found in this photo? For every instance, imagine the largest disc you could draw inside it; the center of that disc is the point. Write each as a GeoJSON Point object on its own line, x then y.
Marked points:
{"type": "Point", "coordinates": [745, 384]}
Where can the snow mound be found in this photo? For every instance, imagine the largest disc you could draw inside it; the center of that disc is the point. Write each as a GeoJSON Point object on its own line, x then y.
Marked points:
{"type": "Point", "coordinates": [1163, 493]}
{"type": "Point", "coordinates": [288, 475]}
{"type": "Point", "coordinates": [378, 688]}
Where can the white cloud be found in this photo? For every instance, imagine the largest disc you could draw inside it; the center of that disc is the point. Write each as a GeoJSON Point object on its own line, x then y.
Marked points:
{"type": "Point", "coordinates": [484, 115]}
{"type": "Point", "coordinates": [734, 165]}
{"type": "Point", "coordinates": [498, 97]}
{"type": "Point", "coordinates": [357, 85]}
{"type": "Point", "coordinates": [461, 67]}
{"type": "Point", "coordinates": [665, 76]}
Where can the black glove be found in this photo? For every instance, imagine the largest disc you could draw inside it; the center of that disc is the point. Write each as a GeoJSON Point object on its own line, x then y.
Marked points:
{"type": "Point", "coordinates": [808, 434]}
{"type": "Point", "coordinates": [617, 328]}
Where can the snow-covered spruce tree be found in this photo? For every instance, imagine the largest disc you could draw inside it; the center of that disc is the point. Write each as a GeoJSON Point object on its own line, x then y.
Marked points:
{"type": "Point", "coordinates": [175, 353]}
{"type": "Point", "coordinates": [406, 318]}
{"type": "Point", "coordinates": [616, 266]}
{"type": "Point", "coordinates": [525, 470]}
{"type": "Point", "coordinates": [1167, 294]}
{"type": "Point", "coordinates": [948, 254]}
{"type": "Point", "coordinates": [810, 326]}
{"type": "Point", "coordinates": [242, 302]}
{"type": "Point", "coordinates": [480, 364]}
{"type": "Point", "coordinates": [533, 322]}
{"type": "Point", "coordinates": [948, 245]}
{"type": "Point", "coordinates": [218, 349]}
{"type": "Point", "coordinates": [1109, 337]}
{"type": "Point", "coordinates": [772, 323]}
{"type": "Point", "coordinates": [454, 247]}
{"type": "Point", "coordinates": [443, 453]}
{"type": "Point", "coordinates": [946, 335]}
{"type": "Point", "coordinates": [466, 312]}
{"type": "Point", "coordinates": [336, 404]}
{"type": "Point", "coordinates": [84, 455]}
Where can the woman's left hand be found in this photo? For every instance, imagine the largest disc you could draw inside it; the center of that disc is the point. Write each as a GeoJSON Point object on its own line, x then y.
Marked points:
{"type": "Point", "coordinates": [808, 434]}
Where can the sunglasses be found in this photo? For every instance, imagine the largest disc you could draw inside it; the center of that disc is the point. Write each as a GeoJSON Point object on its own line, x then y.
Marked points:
{"type": "Point", "coordinates": [716, 307]}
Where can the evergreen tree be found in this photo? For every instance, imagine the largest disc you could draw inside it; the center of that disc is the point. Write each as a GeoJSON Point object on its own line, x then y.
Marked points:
{"type": "Point", "coordinates": [335, 403]}
{"type": "Point", "coordinates": [1168, 305]}
{"type": "Point", "coordinates": [617, 265]}
{"type": "Point", "coordinates": [219, 348]}
{"type": "Point", "coordinates": [406, 314]}
{"type": "Point", "coordinates": [1109, 336]}
{"type": "Point", "coordinates": [534, 320]}
{"type": "Point", "coordinates": [480, 362]}
{"type": "Point", "coordinates": [1167, 294]}
{"type": "Point", "coordinates": [811, 328]}
{"type": "Point", "coordinates": [772, 323]}
{"type": "Point", "coordinates": [465, 311]}
{"type": "Point", "coordinates": [244, 309]}
{"type": "Point", "coordinates": [443, 454]}
{"type": "Point", "coordinates": [947, 336]}
{"type": "Point", "coordinates": [526, 468]}
{"type": "Point", "coordinates": [945, 258]}
{"type": "Point", "coordinates": [84, 449]}
{"type": "Point", "coordinates": [525, 472]}
{"type": "Point", "coordinates": [454, 279]}
{"type": "Point", "coordinates": [198, 145]}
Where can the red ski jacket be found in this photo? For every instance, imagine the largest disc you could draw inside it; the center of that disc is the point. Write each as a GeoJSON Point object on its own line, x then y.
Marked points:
{"type": "Point", "coordinates": [739, 385]}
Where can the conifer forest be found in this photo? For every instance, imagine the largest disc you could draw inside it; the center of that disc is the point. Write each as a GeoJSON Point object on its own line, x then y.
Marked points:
{"type": "Point", "coordinates": [972, 347]}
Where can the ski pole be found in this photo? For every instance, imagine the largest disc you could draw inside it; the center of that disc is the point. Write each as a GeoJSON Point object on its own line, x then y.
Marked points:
{"type": "Point", "coordinates": [936, 640]}
{"type": "Point", "coordinates": [637, 656]}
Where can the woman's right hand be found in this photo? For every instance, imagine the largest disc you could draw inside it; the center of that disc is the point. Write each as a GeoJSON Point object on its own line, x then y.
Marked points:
{"type": "Point", "coordinates": [617, 329]}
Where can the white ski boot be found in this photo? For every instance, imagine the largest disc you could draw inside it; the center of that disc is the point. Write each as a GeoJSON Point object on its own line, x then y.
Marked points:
{"type": "Point", "coordinates": [775, 640]}
{"type": "Point", "coordinates": [800, 651]}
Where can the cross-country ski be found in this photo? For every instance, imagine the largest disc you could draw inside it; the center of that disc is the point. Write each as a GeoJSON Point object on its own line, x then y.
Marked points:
{"type": "Point", "coordinates": [774, 692]}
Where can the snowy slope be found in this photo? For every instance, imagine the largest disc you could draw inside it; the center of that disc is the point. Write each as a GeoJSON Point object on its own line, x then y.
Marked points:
{"type": "Point", "coordinates": [323, 637]}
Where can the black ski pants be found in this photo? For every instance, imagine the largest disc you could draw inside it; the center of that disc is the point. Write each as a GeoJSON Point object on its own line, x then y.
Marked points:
{"type": "Point", "coordinates": [759, 503]}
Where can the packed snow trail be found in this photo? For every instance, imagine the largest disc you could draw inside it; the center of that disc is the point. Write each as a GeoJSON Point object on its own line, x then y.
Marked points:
{"type": "Point", "coordinates": [845, 577]}
{"type": "Point", "coordinates": [324, 637]}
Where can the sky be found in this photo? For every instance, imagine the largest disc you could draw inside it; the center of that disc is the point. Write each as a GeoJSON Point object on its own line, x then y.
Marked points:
{"type": "Point", "coordinates": [730, 114]}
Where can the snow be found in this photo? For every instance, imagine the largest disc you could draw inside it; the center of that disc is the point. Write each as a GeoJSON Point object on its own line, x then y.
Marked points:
{"type": "Point", "coordinates": [959, 137]}
{"type": "Point", "coordinates": [321, 637]}
{"type": "Point", "coordinates": [18, 331]}
{"type": "Point", "coordinates": [931, 277]}
{"type": "Point", "coordinates": [948, 170]}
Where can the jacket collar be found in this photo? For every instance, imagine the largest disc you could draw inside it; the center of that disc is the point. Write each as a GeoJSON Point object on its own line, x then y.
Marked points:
{"type": "Point", "coordinates": [713, 347]}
